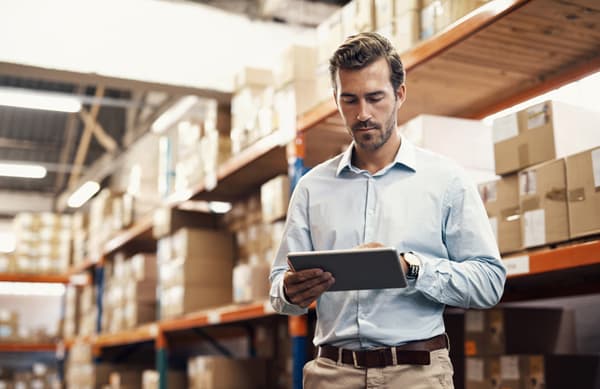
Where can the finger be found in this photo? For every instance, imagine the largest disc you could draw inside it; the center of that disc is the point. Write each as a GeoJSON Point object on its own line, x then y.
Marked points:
{"type": "Point", "coordinates": [312, 293]}
{"type": "Point", "coordinates": [309, 301]}
{"type": "Point", "coordinates": [303, 275]}
{"type": "Point", "coordinates": [296, 288]}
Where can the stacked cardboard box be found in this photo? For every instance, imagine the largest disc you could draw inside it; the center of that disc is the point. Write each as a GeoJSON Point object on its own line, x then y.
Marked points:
{"type": "Point", "coordinates": [108, 214]}
{"type": "Point", "coordinates": [527, 144]}
{"type": "Point", "coordinates": [39, 376]}
{"type": "Point", "coordinates": [7, 263]}
{"type": "Point", "coordinates": [79, 367]}
{"type": "Point", "coordinates": [80, 229]}
{"type": "Point", "coordinates": [43, 242]}
{"type": "Point", "coordinates": [88, 311]}
{"type": "Point", "coordinates": [167, 220]}
{"type": "Point", "coordinates": [175, 379]}
{"type": "Point", "coordinates": [130, 293]}
{"type": "Point", "coordinates": [252, 107]}
{"type": "Point", "coordinates": [583, 185]}
{"type": "Point", "coordinates": [436, 15]}
{"type": "Point", "coordinates": [195, 271]}
{"type": "Point", "coordinates": [501, 200]}
{"type": "Point", "coordinates": [274, 198]}
{"type": "Point", "coordinates": [207, 372]}
{"type": "Point", "coordinates": [494, 334]}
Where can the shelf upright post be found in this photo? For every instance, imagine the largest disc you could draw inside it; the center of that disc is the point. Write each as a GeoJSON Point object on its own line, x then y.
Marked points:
{"type": "Point", "coordinates": [297, 324]}
{"type": "Point", "coordinates": [99, 284]}
{"type": "Point", "coordinates": [298, 330]}
{"type": "Point", "coordinates": [162, 359]}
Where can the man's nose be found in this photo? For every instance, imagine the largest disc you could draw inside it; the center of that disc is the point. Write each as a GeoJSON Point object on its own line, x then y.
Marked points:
{"type": "Point", "coordinates": [363, 112]}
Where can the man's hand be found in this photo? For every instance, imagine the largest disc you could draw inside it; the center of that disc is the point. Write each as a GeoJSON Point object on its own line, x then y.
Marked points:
{"type": "Point", "coordinates": [304, 286]}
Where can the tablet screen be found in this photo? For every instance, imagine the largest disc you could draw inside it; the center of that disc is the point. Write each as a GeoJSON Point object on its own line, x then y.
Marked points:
{"type": "Point", "coordinates": [354, 269]}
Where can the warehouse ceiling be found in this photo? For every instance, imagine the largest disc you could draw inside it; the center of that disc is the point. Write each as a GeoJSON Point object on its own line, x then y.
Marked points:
{"type": "Point", "coordinates": [306, 13]}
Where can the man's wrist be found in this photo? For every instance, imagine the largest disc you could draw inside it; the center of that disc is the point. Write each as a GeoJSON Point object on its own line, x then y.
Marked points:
{"type": "Point", "coordinates": [413, 263]}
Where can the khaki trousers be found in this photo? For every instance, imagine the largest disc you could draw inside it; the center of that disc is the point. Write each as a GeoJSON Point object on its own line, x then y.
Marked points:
{"type": "Point", "coordinates": [323, 373]}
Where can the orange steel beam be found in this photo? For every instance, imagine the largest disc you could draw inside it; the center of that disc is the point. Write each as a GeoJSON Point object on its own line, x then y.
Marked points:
{"type": "Point", "coordinates": [41, 278]}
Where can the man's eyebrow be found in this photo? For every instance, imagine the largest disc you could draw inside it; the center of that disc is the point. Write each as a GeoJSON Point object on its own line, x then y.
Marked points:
{"type": "Point", "coordinates": [375, 94]}
{"type": "Point", "coordinates": [346, 94]}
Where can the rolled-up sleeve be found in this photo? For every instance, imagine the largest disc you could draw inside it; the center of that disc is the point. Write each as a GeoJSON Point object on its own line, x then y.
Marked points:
{"type": "Point", "coordinates": [296, 237]}
{"type": "Point", "coordinates": [472, 275]}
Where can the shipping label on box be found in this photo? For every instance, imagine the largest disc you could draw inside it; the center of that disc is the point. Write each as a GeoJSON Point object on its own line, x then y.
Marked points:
{"type": "Point", "coordinates": [583, 179]}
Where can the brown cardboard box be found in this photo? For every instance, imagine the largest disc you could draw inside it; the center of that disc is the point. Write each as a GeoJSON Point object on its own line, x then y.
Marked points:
{"type": "Point", "coordinates": [550, 371]}
{"type": "Point", "coordinates": [175, 379]}
{"type": "Point", "coordinates": [329, 35]}
{"type": "Point", "coordinates": [543, 132]}
{"type": "Point", "coordinates": [197, 271]}
{"type": "Point", "coordinates": [201, 243]}
{"type": "Point", "coordinates": [383, 13]}
{"type": "Point", "coordinates": [501, 200]}
{"type": "Point", "coordinates": [224, 373]}
{"type": "Point", "coordinates": [583, 185]}
{"type": "Point", "coordinates": [167, 220]}
{"type": "Point", "coordinates": [482, 372]}
{"type": "Point", "coordinates": [504, 331]}
{"type": "Point", "coordinates": [182, 299]}
{"type": "Point", "coordinates": [9, 325]}
{"type": "Point", "coordinates": [251, 282]}
{"type": "Point", "coordinates": [144, 267]}
{"type": "Point", "coordinates": [298, 63]}
{"type": "Point", "coordinates": [543, 203]}
{"type": "Point", "coordinates": [274, 197]}
{"type": "Point", "coordinates": [253, 76]}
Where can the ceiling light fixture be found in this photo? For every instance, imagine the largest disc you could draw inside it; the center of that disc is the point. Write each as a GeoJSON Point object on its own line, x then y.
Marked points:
{"type": "Point", "coordinates": [83, 194]}
{"type": "Point", "coordinates": [27, 98]}
{"type": "Point", "coordinates": [22, 170]}
{"type": "Point", "coordinates": [173, 114]}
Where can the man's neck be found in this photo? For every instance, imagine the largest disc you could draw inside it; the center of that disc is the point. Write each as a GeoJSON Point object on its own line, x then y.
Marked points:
{"type": "Point", "coordinates": [375, 160]}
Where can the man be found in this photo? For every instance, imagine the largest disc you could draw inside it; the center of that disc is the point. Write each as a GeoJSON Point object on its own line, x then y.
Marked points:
{"type": "Point", "coordinates": [384, 191]}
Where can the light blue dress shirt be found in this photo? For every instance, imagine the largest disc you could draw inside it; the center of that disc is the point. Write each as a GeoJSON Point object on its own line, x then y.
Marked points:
{"type": "Point", "coordinates": [421, 202]}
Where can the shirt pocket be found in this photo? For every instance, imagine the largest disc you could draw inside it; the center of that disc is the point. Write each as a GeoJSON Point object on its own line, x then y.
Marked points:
{"type": "Point", "coordinates": [335, 226]}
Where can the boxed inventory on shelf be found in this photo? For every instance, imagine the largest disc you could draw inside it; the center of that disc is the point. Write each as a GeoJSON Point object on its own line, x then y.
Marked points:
{"type": "Point", "coordinates": [543, 132]}
{"type": "Point", "coordinates": [167, 220]}
{"type": "Point", "coordinates": [274, 198]}
{"type": "Point", "coordinates": [501, 200]}
{"type": "Point", "coordinates": [9, 326]}
{"type": "Point", "coordinates": [221, 373]}
{"type": "Point", "coordinates": [533, 371]}
{"type": "Point", "coordinates": [583, 184]}
{"type": "Point", "coordinates": [543, 203]}
{"type": "Point", "coordinates": [175, 379]}
{"type": "Point", "coordinates": [502, 331]}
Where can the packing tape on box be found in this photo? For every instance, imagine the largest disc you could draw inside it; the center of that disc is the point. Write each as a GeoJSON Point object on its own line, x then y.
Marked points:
{"type": "Point", "coordinates": [577, 194]}
{"type": "Point", "coordinates": [557, 194]}
{"type": "Point", "coordinates": [510, 213]}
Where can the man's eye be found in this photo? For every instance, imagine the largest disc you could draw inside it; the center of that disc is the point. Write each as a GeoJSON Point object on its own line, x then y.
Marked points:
{"type": "Point", "coordinates": [374, 99]}
{"type": "Point", "coordinates": [349, 100]}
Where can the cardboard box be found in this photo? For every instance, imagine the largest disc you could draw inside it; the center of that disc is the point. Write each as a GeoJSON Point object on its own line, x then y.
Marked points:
{"type": "Point", "coordinates": [249, 76]}
{"type": "Point", "coordinates": [468, 142]}
{"type": "Point", "coordinates": [298, 63]}
{"type": "Point", "coordinates": [501, 200]}
{"type": "Point", "coordinates": [167, 220]}
{"type": "Point", "coordinates": [543, 203]}
{"type": "Point", "coordinates": [181, 299]}
{"type": "Point", "coordinates": [482, 372]}
{"type": "Point", "coordinates": [549, 371]}
{"type": "Point", "coordinates": [224, 373]}
{"type": "Point", "coordinates": [201, 243]}
{"type": "Point", "coordinates": [383, 12]}
{"type": "Point", "coordinates": [583, 185]}
{"type": "Point", "coordinates": [175, 379]}
{"type": "Point", "coordinates": [330, 35]}
{"type": "Point", "coordinates": [543, 132]}
{"type": "Point", "coordinates": [197, 271]}
{"type": "Point", "coordinates": [407, 27]}
{"type": "Point", "coordinates": [501, 331]}
{"type": "Point", "coordinates": [274, 198]}
{"type": "Point", "coordinates": [251, 282]}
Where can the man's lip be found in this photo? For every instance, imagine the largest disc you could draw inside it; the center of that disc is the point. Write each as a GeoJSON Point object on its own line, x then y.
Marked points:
{"type": "Point", "coordinates": [365, 129]}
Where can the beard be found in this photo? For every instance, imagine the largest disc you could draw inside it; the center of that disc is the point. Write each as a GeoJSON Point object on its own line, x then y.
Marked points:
{"type": "Point", "coordinates": [376, 137]}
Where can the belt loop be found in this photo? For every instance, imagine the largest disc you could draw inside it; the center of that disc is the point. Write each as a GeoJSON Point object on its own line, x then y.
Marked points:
{"type": "Point", "coordinates": [354, 359]}
{"type": "Point", "coordinates": [394, 355]}
{"type": "Point", "coordinates": [319, 351]}
{"type": "Point", "coordinates": [447, 341]}
{"type": "Point", "coordinates": [339, 360]}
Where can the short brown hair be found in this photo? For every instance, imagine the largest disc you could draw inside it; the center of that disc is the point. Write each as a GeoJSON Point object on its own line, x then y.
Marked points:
{"type": "Point", "coordinates": [361, 50]}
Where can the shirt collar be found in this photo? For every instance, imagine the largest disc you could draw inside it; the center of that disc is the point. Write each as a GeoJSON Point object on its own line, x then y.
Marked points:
{"type": "Point", "coordinates": [405, 156]}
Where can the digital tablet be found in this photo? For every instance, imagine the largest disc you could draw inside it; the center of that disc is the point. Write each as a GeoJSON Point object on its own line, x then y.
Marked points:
{"type": "Point", "coordinates": [355, 269]}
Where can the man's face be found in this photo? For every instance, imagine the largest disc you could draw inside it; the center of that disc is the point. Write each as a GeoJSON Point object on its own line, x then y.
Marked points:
{"type": "Point", "coordinates": [368, 104]}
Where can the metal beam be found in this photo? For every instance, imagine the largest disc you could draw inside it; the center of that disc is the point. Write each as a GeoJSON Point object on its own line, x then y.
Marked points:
{"type": "Point", "coordinates": [103, 138]}
{"type": "Point", "coordinates": [34, 72]}
{"type": "Point", "coordinates": [85, 141]}
{"type": "Point", "coordinates": [9, 143]}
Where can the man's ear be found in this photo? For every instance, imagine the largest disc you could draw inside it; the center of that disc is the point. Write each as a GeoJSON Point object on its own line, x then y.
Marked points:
{"type": "Point", "coordinates": [401, 93]}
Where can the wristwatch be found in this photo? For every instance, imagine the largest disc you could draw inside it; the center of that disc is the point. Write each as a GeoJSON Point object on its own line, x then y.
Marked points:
{"type": "Point", "coordinates": [414, 264]}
